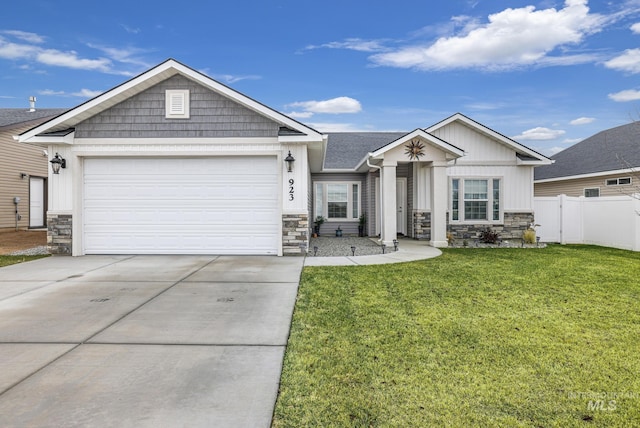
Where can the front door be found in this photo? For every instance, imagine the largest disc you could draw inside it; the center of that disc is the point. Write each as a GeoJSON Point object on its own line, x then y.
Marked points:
{"type": "Point", "coordinates": [36, 202]}
{"type": "Point", "coordinates": [401, 205]}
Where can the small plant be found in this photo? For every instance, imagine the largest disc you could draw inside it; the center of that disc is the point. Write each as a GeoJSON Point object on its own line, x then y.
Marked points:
{"type": "Point", "coordinates": [465, 243]}
{"type": "Point", "coordinates": [529, 235]}
{"type": "Point", "coordinates": [488, 236]}
{"type": "Point", "coordinates": [362, 219]}
{"type": "Point", "coordinates": [319, 220]}
{"type": "Point", "coordinates": [450, 238]}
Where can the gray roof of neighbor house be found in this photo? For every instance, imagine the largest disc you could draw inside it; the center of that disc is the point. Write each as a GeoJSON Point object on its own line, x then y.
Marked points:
{"type": "Point", "coordinates": [13, 116]}
{"type": "Point", "coordinates": [610, 150]}
{"type": "Point", "coordinates": [345, 150]}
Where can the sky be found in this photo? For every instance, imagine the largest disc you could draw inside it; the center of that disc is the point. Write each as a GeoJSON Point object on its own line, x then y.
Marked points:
{"type": "Point", "coordinates": [545, 73]}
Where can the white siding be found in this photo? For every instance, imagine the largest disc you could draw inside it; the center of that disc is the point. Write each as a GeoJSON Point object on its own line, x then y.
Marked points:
{"type": "Point", "coordinates": [478, 147]}
{"type": "Point", "coordinates": [517, 183]}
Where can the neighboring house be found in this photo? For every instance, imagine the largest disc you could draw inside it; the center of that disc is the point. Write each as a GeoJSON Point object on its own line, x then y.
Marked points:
{"type": "Point", "coordinates": [24, 171]}
{"type": "Point", "coordinates": [174, 162]}
{"type": "Point", "coordinates": [605, 164]}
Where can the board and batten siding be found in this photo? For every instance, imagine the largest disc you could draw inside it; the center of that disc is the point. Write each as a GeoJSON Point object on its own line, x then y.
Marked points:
{"type": "Point", "coordinates": [211, 116]}
{"type": "Point", "coordinates": [350, 227]}
{"type": "Point", "coordinates": [517, 183]}
{"type": "Point", "coordinates": [18, 158]}
{"type": "Point", "coordinates": [575, 187]}
{"type": "Point", "coordinates": [477, 147]}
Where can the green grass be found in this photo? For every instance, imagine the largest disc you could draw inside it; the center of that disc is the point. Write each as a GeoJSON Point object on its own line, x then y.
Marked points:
{"type": "Point", "coordinates": [12, 260]}
{"type": "Point", "coordinates": [482, 337]}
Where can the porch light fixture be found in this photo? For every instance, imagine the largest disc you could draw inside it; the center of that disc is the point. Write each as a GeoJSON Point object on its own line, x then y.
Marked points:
{"type": "Point", "coordinates": [289, 160]}
{"type": "Point", "coordinates": [315, 251]}
{"type": "Point", "coordinates": [395, 245]}
{"type": "Point", "coordinates": [353, 250]}
{"type": "Point", "coordinates": [58, 162]}
{"type": "Point", "coordinates": [384, 247]}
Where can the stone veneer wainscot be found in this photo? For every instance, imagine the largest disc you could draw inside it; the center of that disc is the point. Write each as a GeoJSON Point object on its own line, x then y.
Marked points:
{"type": "Point", "coordinates": [59, 236]}
{"type": "Point", "coordinates": [295, 234]}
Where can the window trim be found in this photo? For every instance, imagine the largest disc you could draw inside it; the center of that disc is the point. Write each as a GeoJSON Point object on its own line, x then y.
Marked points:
{"type": "Point", "coordinates": [584, 192]}
{"type": "Point", "coordinates": [490, 199]}
{"type": "Point", "coordinates": [325, 202]}
{"type": "Point", "coordinates": [617, 181]}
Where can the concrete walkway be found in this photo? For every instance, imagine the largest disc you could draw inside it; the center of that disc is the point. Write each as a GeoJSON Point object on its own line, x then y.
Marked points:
{"type": "Point", "coordinates": [408, 250]}
{"type": "Point", "coordinates": [144, 341]}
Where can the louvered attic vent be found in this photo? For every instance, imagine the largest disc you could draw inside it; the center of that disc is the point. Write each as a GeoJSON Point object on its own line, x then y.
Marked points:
{"type": "Point", "coordinates": [177, 104]}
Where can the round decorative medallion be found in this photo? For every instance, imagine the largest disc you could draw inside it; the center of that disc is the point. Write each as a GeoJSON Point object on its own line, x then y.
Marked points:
{"type": "Point", "coordinates": [414, 150]}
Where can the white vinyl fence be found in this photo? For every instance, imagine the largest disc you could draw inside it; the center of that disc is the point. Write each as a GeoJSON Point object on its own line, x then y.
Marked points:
{"type": "Point", "coordinates": [612, 221]}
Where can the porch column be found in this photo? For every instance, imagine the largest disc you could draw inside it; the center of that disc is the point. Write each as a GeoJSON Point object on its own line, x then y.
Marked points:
{"type": "Point", "coordinates": [439, 198]}
{"type": "Point", "coordinates": [388, 227]}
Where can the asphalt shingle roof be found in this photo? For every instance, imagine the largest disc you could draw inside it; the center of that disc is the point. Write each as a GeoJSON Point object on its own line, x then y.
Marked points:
{"type": "Point", "coordinates": [13, 116]}
{"type": "Point", "coordinates": [345, 150]}
{"type": "Point", "coordinates": [609, 150]}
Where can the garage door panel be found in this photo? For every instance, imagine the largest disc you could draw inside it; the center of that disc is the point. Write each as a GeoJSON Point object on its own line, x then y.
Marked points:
{"type": "Point", "coordinates": [183, 206]}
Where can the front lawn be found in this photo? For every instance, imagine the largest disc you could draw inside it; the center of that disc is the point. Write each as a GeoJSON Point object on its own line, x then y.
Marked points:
{"type": "Point", "coordinates": [476, 337]}
{"type": "Point", "coordinates": [12, 260]}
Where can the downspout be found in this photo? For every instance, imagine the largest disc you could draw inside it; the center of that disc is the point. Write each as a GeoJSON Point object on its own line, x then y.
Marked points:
{"type": "Point", "coordinates": [379, 168]}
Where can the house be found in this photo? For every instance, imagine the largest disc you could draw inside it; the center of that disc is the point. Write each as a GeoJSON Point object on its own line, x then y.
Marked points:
{"type": "Point", "coordinates": [174, 162]}
{"type": "Point", "coordinates": [23, 176]}
{"type": "Point", "coordinates": [604, 164]}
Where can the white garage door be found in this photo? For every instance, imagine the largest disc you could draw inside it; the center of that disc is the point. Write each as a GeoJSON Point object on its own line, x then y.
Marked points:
{"type": "Point", "coordinates": [222, 205]}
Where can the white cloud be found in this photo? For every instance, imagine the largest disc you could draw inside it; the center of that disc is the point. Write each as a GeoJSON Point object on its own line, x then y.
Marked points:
{"type": "Point", "coordinates": [130, 30]}
{"type": "Point", "coordinates": [71, 60]}
{"type": "Point", "coordinates": [86, 93]}
{"type": "Point", "coordinates": [628, 62]}
{"type": "Point", "coordinates": [354, 44]}
{"type": "Point", "coordinates": [300, 114]}
{"type": "Point", "coordinates": [335, 127]}
{"type": "Point", "coordinates": [626, 95]}
{"type": "Point", "coordinates": [540, 133]}
{"type": "Point", "coordinates": [337, 105]}
{"type": "Point", "coordinates": [553, 150]}
{"type": "Point", "coordinates": [511, 38]}
{"type": "Point", "coordinates": [82, 93]}
{"type": "Point", "coordinates": [635, 28]}
{"type": "Point", "coordinates": [571, 140]}
{"type": "Point", "coordinates": [25, 36]}
{"type": "Point", "coordinates": [24, 46]}
{"type": "Point", "coordinates": [230, 78]}
{"type": "Point", "coordinates": [582, 120]}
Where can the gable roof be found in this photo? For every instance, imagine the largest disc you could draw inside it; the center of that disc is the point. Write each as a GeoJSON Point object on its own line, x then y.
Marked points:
{"type": "Point", "coordinates": [611, 150]}
{"type": "Point", "coordinates": [431, 139]}
{"type": "Point", "coordinates": [152, 77]}
{"type": "Point", "coordinates": [16, 116]}
{"type": "Point", "coordinates": [524, 153]}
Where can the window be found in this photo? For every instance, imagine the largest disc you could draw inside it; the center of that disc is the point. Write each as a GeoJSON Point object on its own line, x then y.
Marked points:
{"type": "Point", "coordinates": [177, 104]}
{"type": "Point", "coordinates": [592, 192]}
{"type": "Point", "coordinates": [337, 201]}
{"type": "Point", "coordinates": [618, 181]}
{"type": "Point", "coordinates": [480, 199]}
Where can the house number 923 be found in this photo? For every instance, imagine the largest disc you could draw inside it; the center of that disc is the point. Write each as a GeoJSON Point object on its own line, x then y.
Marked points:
{"type": "Point", "coordinates": [291, 189]}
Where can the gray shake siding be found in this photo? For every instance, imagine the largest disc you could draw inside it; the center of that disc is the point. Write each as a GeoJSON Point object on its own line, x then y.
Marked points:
{"type": "Point", "coordinates": [211, 116]}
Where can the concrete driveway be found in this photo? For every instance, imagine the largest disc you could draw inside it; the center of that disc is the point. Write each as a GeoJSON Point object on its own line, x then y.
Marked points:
{"type": "Point", "coordinates": [144, 341]}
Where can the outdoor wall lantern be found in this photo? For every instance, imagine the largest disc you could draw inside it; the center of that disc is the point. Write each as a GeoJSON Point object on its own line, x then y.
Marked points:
{"type": "Point", "coordinates": [58, 162]}
{"type": "Point", "coordinates": [289, 160]}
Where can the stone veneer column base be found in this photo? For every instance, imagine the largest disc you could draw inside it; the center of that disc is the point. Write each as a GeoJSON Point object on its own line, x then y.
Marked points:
{"type": "Point", "coordinates": [59, 236]}
{"type": "Point", "coordinates": [422, 225]}
{"type": "Point", "coordinates": [295, 234]}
